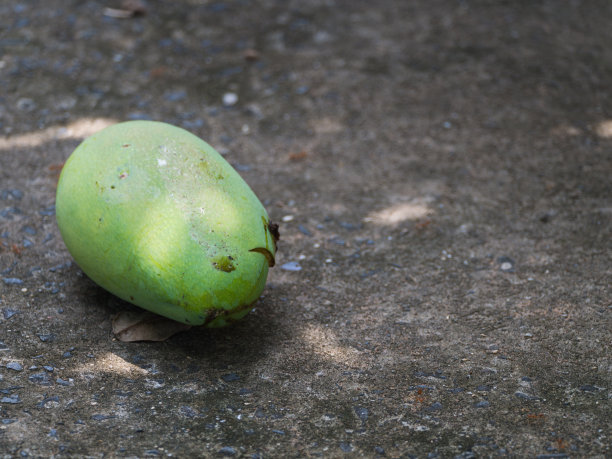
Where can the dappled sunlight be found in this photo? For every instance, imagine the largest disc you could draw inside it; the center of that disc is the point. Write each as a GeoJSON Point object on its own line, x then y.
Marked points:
{"type": "Point", "coordinates": [157, 243]}
{"type": "Point", "coordinates": [323, 342]}
{"type": "Point", "coordinates": [327, 125]}
{"type": "Point", "coordinates": [215, 204]}
{"type": "Point", "coordinates": [83, 127]}
{"type": "Point", "coordinates": [566, 130]}
{"type": "Point", "coordinates": [604, 129]}
{"type": "Point", "coordinates": [111, 363]}
{"type": "Point", "coordinates": [399, 213]}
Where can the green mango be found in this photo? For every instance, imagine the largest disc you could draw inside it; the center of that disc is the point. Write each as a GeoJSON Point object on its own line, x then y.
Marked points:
{"type": "Point", "coordinates": [156, 216]}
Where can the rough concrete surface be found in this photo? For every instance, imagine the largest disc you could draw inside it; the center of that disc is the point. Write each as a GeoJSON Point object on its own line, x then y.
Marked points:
{"type": "Point", "coordinates": [441, 171]}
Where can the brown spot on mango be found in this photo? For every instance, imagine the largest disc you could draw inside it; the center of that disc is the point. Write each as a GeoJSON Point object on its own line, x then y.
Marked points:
{"type": "Point", "coordinates": [224, 263]}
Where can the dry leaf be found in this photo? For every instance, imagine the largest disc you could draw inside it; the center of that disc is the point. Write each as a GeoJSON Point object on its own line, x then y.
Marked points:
{"type": "Point", "coordinates": [251, 54]}
{"type": "Point", "coordinates": [131, 326]}
{"type": "Point", "coordinates": [298, 156]}
{"type": "Point", "coordinates": [129, 9]}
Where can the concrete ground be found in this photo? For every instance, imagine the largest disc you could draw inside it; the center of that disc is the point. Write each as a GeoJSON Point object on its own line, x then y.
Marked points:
{"type": "Point", "coordinates": [442, 174]}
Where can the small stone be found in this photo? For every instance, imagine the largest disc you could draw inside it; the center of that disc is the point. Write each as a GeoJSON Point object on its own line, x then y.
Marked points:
{"type": "Point", "coordinates": [287, 218]}
{"type": "Point", "coordinates": [525, 396]}
{"type": "Point", "coordinates": [350, 226]}
{"type": "Point", "coordinates": [193, 124]}
{"type": "Point", "coordinates": [302, 229]}
{"type": "Point", "coordinates": [43, 402]}
{"type": "Point", "coordinates": [175, 96]}
{"type": "Point", "coordinates": [15, 366]}
{"type": "Point", "coordinates": [139, 116]}
{"type": "Point", "coordinates": [434, 407]}
{"type": "Point", "coordinates": [11, 194]}
{"type": "Point", "coordinates": [46, 337]}
{"type": "Point", "coordinates": [291, 266]}
{"type": "Point", "coordinates": [322, 36]}
{"type": "Point", "coordinates": [48, 211]}
{"type": "Point", "coordinates": [8, 313]}
{"type": "Point", "coordinates": [26, 104]}
{"type": "Point", "coordinates": [362, 413]}
{"type": "Point", "coordinates": [61, 266]}
{"type": "Point", "coordinates": [465, 455]}
{"type": "Point", "coordinates": [482, 404]}
{"type": "Point", "coordinates": [227, 451]}
{"type": "Point", "coordinates": [12, 399]}
{"type": "Point", "coordinates": [230, 377]}
{"type": "Point", "coordinates": [506, 264]}
{"type": "Point", "coordinates": [229, 99]}
{"type": "Point", "coordinates": [584, 388]}
{"type": "Point", "coordinates": [369, 273]}
{"type": "Point", "coordinates": [101, 417]}
{"type": "Point", "coordinates": [12, 281]}
{"type": "Point", "coordinates": [188, 412]}
{"type": "Point", "coordinates": [29, 230]}
{"type": "Point", "coordinates": [40, 378]}
{"type": "Point", "coordinates": [242, 167]}
{"type": "Point", "coordinates": [346, 447]}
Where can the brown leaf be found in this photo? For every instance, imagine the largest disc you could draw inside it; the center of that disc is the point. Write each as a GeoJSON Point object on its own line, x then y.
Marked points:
{"type": "Point", "coordinates": [129, 9]}
{"type": "Point", "coordinates": [136, 7]}
{"type": "Point", "coordinates": [251, 54]}
{"type": "Point", "coordinates": [56, 167]}
{"type": "Point", "coordinates": [298, 156]}
{"type": "Point", "coordinates": [131, 326]}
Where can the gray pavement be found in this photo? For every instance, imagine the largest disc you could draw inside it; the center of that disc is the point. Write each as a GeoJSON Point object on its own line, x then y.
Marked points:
{"type": "Point", "coordinates": [442, 175]}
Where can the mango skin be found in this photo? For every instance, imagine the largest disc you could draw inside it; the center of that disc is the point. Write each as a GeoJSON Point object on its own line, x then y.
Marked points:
{"type": "Point", "coordinates": [156, 216]}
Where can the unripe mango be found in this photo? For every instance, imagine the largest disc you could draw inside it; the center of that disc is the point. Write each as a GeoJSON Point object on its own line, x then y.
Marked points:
{"type": "Point", "coordinates": [156, 216]}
